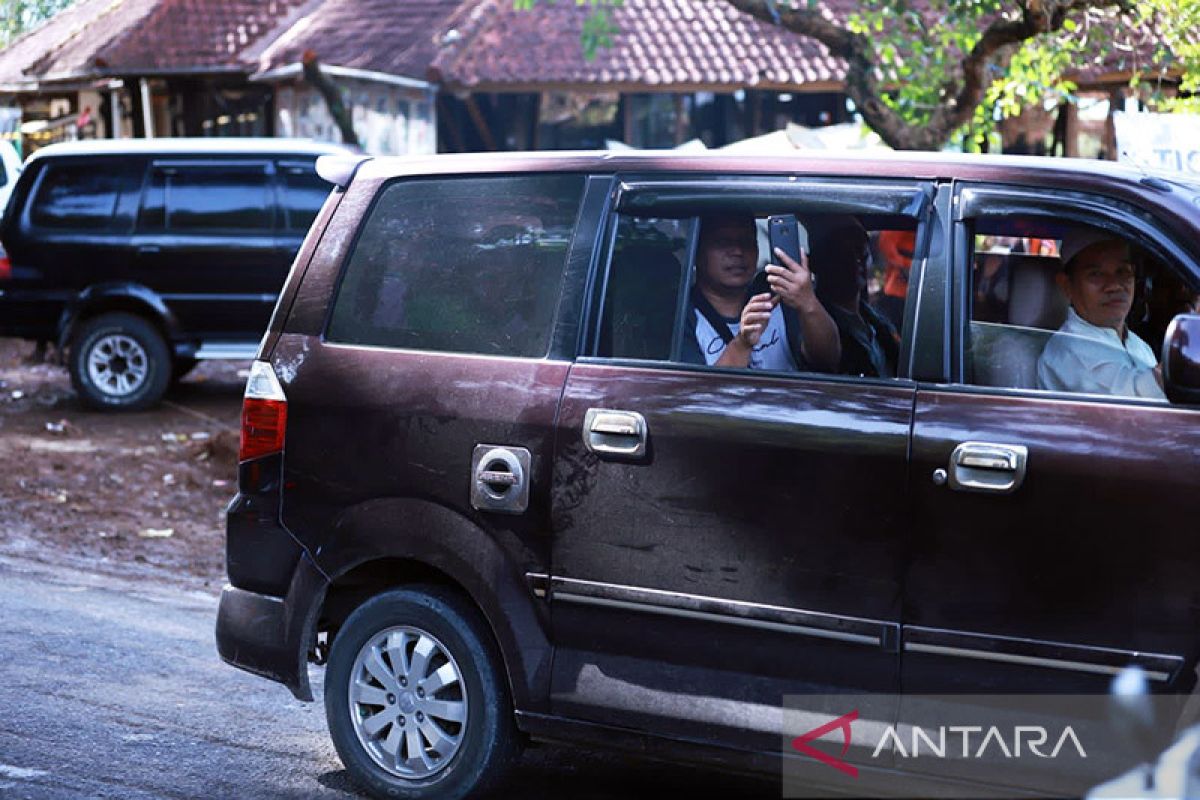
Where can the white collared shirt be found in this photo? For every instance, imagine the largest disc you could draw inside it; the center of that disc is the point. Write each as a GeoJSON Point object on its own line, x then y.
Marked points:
{"type": "Point", "coordinates": [1082, 357]}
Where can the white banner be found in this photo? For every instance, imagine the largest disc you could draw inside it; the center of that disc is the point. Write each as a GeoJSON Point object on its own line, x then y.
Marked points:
{"type": "Point", "coordinates": [1159, 141]}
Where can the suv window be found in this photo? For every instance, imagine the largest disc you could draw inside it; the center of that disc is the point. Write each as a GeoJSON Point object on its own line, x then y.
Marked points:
{"type": "Point", "coordinates": [462, 265]}
{"type": "Point", "coordinates": [80, 195]}
{"type": "Point", "coordinates": [209, 198]}
{"type": "Point", "coordinates": [859, 264]}
{"type": "Point", "coordinates": [642, 294]}
{"type": "Point", "coordinates": [1025, 333]}
{"type": "Point", "coordinates": [304, 192]}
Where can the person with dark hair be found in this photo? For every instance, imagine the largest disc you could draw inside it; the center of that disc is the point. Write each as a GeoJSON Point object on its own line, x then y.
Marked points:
{"type": "Point", "coordinates": [841, 259]}
{"type": "Point", "coordinates": [1094, 351]}
{"type": "Point", "coordinates": [780, 327]}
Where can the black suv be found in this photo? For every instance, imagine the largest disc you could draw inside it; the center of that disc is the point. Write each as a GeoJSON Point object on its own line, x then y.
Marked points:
{"type": "Point", "coordinates": [143, 257]}
{"type": "Point", "coordinates": [495, 470]}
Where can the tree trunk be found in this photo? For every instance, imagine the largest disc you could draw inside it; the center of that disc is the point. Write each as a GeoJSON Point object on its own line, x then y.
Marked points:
{"type": "Point", "coordinates": [333, 98]}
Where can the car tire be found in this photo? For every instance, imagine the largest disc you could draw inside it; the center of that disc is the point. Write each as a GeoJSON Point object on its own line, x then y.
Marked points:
{"type": "Point", "coordinates": [119, 362]}
{"type": "Point", "coordinates": [398, 740]}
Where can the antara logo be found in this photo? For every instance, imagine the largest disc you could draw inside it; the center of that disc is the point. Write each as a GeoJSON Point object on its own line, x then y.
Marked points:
{"type": "Point", "coordinates": [801, 743]}
{"type": "Point", "coordinates": [1033, 736]}
{"type": "Point", "coordinates": [940, 743]}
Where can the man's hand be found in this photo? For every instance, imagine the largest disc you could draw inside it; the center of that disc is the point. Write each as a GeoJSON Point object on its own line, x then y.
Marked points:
{"type": "Point", "coordinates": [755, 316]}
{"type": "Point", "coordinates": [793, 282]}
{"type": "Point", "coordinates": [753, 323]}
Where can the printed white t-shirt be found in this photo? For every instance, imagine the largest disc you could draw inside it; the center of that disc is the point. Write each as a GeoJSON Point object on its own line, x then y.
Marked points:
{"type": "Point", "coordinates": [771, 352]}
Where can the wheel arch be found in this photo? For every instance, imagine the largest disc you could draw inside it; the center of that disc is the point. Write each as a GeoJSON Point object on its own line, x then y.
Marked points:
{"type": "Point", "coordinates": [130, 298]}
{"type": "Point", "coordinates": [436, 545]}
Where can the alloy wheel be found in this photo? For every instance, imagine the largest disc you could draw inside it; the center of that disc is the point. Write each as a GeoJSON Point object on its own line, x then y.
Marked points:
{"type": "Point", "coordinates": [117, 365]}
{"type": "Point", "coordinates": [408, 702]}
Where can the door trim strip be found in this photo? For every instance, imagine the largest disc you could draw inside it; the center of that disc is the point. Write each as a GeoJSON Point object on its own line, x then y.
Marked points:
{"type": "Point", "coordinates": [705, 616]}
{"type": "Point", "coordinates": [1159, 667]}
{"type": "Point", "coordinates": [876, 633]}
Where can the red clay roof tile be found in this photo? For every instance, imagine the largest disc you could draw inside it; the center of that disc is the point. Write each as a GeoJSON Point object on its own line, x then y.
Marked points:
{"type": "Point", "coordinates": [464, 44]}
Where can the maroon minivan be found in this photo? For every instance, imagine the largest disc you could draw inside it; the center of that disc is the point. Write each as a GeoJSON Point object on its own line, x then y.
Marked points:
{"type": "Point", "coordinates": [496, 477]}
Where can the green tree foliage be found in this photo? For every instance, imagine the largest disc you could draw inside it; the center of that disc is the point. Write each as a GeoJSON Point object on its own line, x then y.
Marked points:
{"type": "Point", "coordinates": [924, 72]}
{"type": "Point", "coordinates": [1178, 25]}
{"type": "Point", "coordinates": [19, 16]}
{"type": "Point", "coordinates": [925, 61]}
{"type": "Point", "coordinates": [598, 28]}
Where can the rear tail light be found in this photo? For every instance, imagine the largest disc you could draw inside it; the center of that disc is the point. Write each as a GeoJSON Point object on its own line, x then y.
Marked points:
{"type": "Point", "coordinates": [264, 414]}
{"type": "Point", "coordinates": [5, 268]}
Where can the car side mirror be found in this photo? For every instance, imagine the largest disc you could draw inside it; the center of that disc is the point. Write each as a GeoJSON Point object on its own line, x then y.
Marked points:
{"type": "Point", "coordinates": [1181, 359]}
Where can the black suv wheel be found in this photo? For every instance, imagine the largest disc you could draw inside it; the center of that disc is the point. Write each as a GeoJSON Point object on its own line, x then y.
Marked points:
{"type": "Point", "coordinates": [119, 362]}
{"type": "Point", "coordinates": [416, 702]}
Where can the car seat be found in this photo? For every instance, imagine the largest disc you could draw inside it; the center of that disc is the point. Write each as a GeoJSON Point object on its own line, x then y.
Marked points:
{"type": "Point", "coordinates": [643, 294]}
{"type": "Point", "coordinates": [1007, 354]}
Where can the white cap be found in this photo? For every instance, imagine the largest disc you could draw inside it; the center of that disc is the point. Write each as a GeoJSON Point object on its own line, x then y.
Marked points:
{"type": "Point", "coordinates": [1076, 240]}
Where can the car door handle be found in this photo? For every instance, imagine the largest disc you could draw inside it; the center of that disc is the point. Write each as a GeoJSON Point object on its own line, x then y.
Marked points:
{"type": "Point", "coordinates": [615, 433]}
{"type": "Point", "coordinates": [149, 249]}
{"type": "Point", "coordinates": [987, 467]}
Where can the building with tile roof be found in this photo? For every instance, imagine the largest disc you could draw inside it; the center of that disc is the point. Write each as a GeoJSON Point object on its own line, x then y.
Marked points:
{"type": "Point", "coordinates": [425, 75]}
{"type": "Point", "coordinates": [686, 45]}
{"type": "Point", "coordinates": [379, 53]}
{"type": "Point", "coordinates": [678, 70]}
{"type": "Point", "coordinates": [132, 67]}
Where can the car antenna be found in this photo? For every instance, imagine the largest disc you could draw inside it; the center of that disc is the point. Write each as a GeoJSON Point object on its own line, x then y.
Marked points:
{"type": "Point", "coordinates": [1153, 181]}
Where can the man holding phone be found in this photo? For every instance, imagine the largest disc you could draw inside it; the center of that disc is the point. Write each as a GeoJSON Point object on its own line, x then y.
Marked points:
{"type": "Point", "coordinates": [739, 322]}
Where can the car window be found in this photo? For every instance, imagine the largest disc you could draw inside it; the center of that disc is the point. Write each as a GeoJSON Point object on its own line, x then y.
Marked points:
{"type": "Point", "coordinates": [209, 198]}
{"type": "Point", "coordinates": [1059, 306]}
{"type": "Point", "coordinates": [860, 264]}
{"type": "Point", "coordinates": [642, 292]}
{"type": "Point", "coordinates": [304, 193]}
{"type": "Point", "coordinates": [469, 265]}
{"type": "Point", "coordinates": [81, 195]}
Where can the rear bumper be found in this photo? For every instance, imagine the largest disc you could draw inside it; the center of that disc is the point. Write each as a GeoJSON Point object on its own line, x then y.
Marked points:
{"type": "Point", "coordinates": [272, 636]}
{"type": "Point", "coordinates": [30, 315]}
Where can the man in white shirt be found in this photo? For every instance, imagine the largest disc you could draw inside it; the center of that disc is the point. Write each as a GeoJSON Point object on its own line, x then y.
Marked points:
{"type": "Point", "coordinates": [785, 328]}
{"type": "Point", "coordinates": [1094, 352]}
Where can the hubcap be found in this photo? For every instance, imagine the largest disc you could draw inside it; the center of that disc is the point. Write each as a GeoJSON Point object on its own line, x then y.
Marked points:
{"type": "Point", "coordinates": [405, 672]}
{"type": "Point", "coordinates": [117, 365]}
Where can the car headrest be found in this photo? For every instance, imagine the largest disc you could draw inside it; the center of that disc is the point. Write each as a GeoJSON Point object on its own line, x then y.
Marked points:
{"type": "Point", "coordinates": [1034, 298]}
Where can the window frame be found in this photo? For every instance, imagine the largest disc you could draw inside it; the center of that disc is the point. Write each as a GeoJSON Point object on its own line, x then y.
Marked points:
{"type": "Point", "coordinates": [283, 168]}
{"type": "Point", "coordinates": [671, 195]}
{"type": "Point", "coordinates": [35, 198]}
{"type": "Point", "coordinates": [973, 200]}
{"type": "Point", "coordinates": [167, 167]}
{"type": "Point", "coordinates": [579, 261]}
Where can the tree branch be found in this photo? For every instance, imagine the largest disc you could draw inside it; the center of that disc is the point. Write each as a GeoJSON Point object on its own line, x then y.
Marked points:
{"type": "Point", "coordinates": [865, 88]}
{"type": "Point", "coordinates": [333, 98]}
{"type": "Point", "coordinates": [1037, 17]}
{"type": "Point", "coordinates": [862, 78]}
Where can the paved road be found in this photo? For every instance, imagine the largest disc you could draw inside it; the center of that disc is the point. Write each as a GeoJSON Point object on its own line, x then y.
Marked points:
{"type": "Point", "coordinates": [111, 688]}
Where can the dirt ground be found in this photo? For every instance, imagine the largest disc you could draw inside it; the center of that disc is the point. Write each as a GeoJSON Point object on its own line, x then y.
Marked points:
{"type": "Point", "coordinates": [122, 493]}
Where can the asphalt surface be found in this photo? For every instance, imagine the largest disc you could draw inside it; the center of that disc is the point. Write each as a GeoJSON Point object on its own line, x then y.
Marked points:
{"type": "Point", "coordinates": [110, 687]}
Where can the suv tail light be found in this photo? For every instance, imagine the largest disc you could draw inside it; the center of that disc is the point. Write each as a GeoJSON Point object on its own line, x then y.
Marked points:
{"type": "Point", "coordinates": [5, 268]}
{"type": "Point", "coordinates": [264, 414]}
